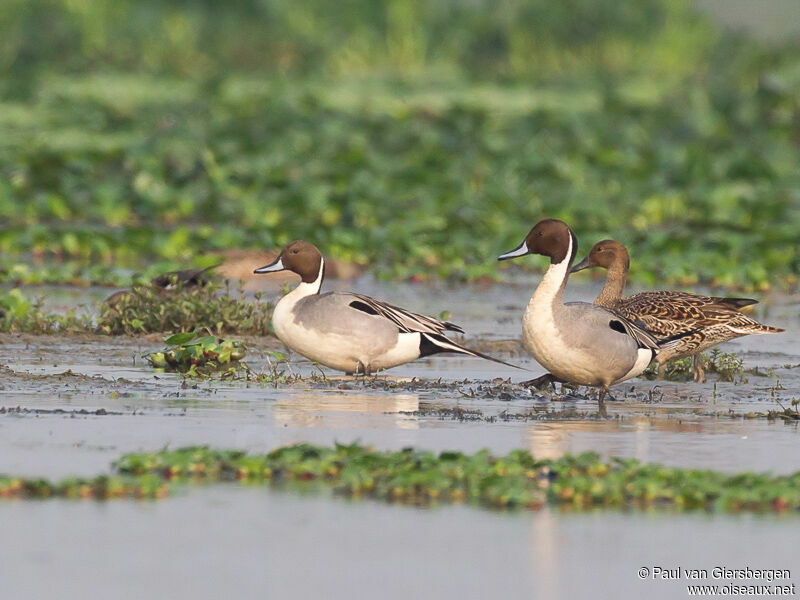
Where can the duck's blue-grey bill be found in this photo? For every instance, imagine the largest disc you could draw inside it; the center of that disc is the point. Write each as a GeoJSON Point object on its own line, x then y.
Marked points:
{"type": "Point", "coordinates": [522, 250]}
{"type": "Point", "coordinates": [584, 264]}
{"type": "Point", "coordinates": [273, 267]}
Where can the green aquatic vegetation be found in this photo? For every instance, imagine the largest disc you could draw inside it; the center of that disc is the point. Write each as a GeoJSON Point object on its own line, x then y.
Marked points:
{"type": "Point", "coordinates": [197, 355]}
{"type": "Point", "coordinates": [389, 133]}
{"type": "Point", "coordinates": [404, 191]}
{"type": "Point", "coordinates": [20, 314]}
{"type": "Point", "coordinates": [145, 309]}
{"type": "Point", "coordinates": [15, 305]}
{"type": "Point", "coordinates": [102, 487]}
{"type": "Point", "coordinates": [788, 414]}
{"type": "Point", "coordinates": [399, 37]}
{"type": "Point", "coordinates": [515, 481]}
{"type": "Point", "coordinates": [729, 366]}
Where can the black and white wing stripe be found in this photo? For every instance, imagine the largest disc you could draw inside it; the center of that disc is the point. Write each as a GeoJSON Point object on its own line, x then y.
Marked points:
{"type": "Point", "coordinates": [405, 320]}
{"type": "Point", "coordinates": [643, 338]}
{"type": "Point", "coordinates": [432, 331]}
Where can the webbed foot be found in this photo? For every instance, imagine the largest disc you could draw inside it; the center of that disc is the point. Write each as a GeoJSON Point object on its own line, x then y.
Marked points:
{"type": "Point", "coordinates": [541, 382]}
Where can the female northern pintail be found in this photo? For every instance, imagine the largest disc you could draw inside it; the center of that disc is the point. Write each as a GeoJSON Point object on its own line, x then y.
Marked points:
{"type": "Point", "coordinates": [706, 320]}
{"type": "Point", "coordinates": [577, 342]}
{"type": "Point", "coordinates": [350, 332]}
{"type": "Point", "coordinates": [188, 280]}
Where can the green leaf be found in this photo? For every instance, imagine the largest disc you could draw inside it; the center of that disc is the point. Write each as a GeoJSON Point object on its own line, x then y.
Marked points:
{"type": "Point", "coordinates": [204, 342]}
{"type": "Point", "coordinates": [179, 339]}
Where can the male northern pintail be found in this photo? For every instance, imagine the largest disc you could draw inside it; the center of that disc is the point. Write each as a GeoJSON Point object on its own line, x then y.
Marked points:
{"type": "Point", "coordinates": [707, 320]}
{"type": "Point", "coordinates": [350, 332]}
{"type": "Point", "coordinates": [577, 342]}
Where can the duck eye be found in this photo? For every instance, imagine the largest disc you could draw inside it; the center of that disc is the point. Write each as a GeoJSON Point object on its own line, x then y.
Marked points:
{"type": "Point", "coordinates": [539, 234]}
{"type": "Point", "coordinates": [295, 251]}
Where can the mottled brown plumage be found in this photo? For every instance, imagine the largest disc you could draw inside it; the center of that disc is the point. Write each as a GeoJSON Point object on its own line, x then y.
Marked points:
{"type": "Point", "coordinates": [713, 320]}
{"type": "Point", "coordinates": [188, 280]}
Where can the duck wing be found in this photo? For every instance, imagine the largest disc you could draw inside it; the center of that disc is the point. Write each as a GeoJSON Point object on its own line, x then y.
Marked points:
{"type": "Point", "coordinates": [643, 338]}
{"type": "Point", "coordinates": [682, 305]}
{"type": "Point", "coordinates": [406, 321]}
{"type": "Point", "coordinates": [433, 339]}
{"type": "Point", "coordinates": [635, 329]}
{"type": "Point", "coordinates": [669, 313]}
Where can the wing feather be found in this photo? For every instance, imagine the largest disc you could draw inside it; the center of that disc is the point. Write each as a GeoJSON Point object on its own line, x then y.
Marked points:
{"type": "Point", "coordinates": [406, 321]}
{"type": "Point", "coordinates": [643, 338]}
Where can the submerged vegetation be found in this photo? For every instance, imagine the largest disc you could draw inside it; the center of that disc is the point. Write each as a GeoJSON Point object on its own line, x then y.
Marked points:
{"type": "Point", "coordinates": [390, 132]}
{"type": "Point", "coordinates": [409, 476]}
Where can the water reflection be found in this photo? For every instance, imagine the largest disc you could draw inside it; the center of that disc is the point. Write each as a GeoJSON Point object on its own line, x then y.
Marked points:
{"type": "Point", "coordinates": [338, 409]}
{"type": "Point", "coordinates": [552, 440]}
{"type": "Point", "coordinates": [725, 444]}
{"type": "Point", "coordinates": [545, 555]}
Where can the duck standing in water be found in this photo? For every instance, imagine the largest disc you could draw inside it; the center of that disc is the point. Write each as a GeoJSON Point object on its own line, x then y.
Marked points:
{"type": "Point", "coordinates": [350, 332]}
{"type": "Point", "coordinates": [578, 342]}
{"type": "Point", "coordinates": [706, 320]}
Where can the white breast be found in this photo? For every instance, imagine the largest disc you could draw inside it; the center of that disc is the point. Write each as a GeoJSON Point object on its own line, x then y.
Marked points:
{"type": "Point", "coordinates": [331, 350]}
{"type": "Point", "coordinates": [544, 340]}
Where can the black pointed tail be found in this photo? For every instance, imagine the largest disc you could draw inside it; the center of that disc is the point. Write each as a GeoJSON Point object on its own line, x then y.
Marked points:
{"type": "Point", "coordinates": [433, 343]}
{"type": "Point", "coordinates": [738, 303]}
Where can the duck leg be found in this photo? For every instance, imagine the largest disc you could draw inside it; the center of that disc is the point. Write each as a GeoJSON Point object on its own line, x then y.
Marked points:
{"type": "Point", "coordinates": [699, 373]}
{"type": "Point", "coordinates": [609, 397]}
{"type": "Point", "coordinates": [662, 370]}
{"type": "Point", "coordinates": [601, 405]}
{"type": "Point", "coordinates": [360, 369]}
{"type": "Point", "coordinates": [541, 382]}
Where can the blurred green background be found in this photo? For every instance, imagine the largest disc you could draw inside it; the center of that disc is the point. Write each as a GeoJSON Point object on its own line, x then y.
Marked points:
{"type": "Point", "coordinates": [421, 138]}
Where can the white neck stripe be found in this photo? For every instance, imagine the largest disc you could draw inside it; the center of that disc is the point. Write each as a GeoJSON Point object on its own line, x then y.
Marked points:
{"type": "Point", "coordinates": [554, 280]}
{"type": "Point", "coordinates": [304, 289]}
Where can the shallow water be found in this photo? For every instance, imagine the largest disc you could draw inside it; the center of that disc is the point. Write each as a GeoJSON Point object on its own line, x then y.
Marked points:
{"type": "Point", "coordinates": [259, 543]}
{"type": "Point", "coordinates": [229, 542]}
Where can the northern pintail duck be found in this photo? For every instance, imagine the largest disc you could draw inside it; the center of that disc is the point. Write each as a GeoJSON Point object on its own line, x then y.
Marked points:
{"type": "Point", "coordinates": [351, 332]}
{"type": "Point", "coordinates": [577, 342]}
{"type": "Point", "coordinates": [707, 320]}
{"type": "Point", "coordinates": [187, 280]}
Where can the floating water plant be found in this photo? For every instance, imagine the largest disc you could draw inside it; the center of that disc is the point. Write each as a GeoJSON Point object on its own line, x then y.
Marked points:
{"type": "Point", "coordinates": [408, 476]}
{"type": "Point", "coordinates": [195, 354]}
